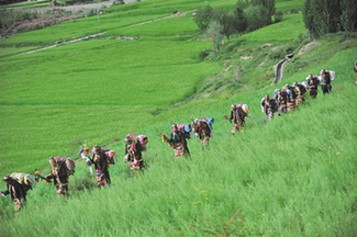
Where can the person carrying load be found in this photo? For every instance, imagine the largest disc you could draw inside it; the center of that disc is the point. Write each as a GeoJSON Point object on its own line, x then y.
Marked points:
{"type": "Point", "coordinates": [17, 186]}
{"type": "Point", "coordinates": [178, 139]}
{"type": "Point", "coordinates": [134, 146]}
{"type": "Point", "coordinates": [237, 116]}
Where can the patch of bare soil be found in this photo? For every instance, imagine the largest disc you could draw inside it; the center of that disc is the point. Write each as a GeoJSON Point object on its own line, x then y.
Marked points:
{"type": "Point", "coordinates": [308, 47]}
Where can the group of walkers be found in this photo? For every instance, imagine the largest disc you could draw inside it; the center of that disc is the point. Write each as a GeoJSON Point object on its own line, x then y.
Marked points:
{"type": "Point", "coordinates": [289, 97]}
{"type": "Point", "coordinates": [18, 184]}
{"type": "Point", "coordinates": [180, 133]}
{"type": "Point", "coordinates": [283, 100]}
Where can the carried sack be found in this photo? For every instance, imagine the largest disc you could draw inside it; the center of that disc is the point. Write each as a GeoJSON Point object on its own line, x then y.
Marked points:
{"type": "Point", "coordinates": [131, 137]}
{"type": "Point", "coordinates": [210, 121]}
{"type": "Point", "coordinates": [71, 166]}
{"type": "Point", "coordinates": [236, 106]}
{"type": "Point", "coordinates": [273, 103]}
{"type": "Point", "coordinates": [110, 154]}
{"type": "Point", "coordinates": [24, 179]}
{"type": "Point", "coordinates": [142, 140]}
{"type": "Point", "coordinates": [58, 162]}
{"type": "Point", "coordinates": [185, 129]}
{"type": "Point", "coordinates": [284, 94]}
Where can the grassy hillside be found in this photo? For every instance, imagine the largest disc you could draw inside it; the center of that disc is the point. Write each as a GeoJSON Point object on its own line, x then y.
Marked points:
{"type": "Point", "coordinates": [293, 176]}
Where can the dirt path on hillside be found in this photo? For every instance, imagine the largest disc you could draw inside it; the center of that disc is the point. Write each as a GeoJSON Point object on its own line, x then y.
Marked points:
{"type": "Point", "coordinates": [279, 68]}
{"type": "Point", "coordinates": [98, 35]}
{"type": "Point", "coordinates": [62, 43]}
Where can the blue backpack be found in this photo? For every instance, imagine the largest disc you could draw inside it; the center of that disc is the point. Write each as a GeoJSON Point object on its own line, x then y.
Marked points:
{"type": "Point", "coordinates": [210, 121]}
{"type": "Point", "coordinates": [187, 128]}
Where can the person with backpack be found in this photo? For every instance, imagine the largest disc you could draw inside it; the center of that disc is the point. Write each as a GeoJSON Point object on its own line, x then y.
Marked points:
{"type": "Point", "coordinates": [101, 165]}
{"type": "Point", "coordinates": [178, 139]}
{"type": "Point", "coordinates": [134, 146]}
{"type": "Point", "coordinates": [302, 89]}
{"type": "Point", "coordinates": [84, 153]}
{"type": "Point", "coordinates": [294, 99]}
{"type": "Point", "coordinates": [28, 181]}
{"type": "Point", "coordinates": [313, 83]}
{"type": "Point", "coordinates": [203, 129]}
{"type": "Point", "coordinates": [284, 98]}
{"type": "Point", "coordinates": [326, 78]}
{"type": "Point", "coordinates": [237, 116]}
{"type": "Point", "coordinates": [269, 106]}
{"type": "Point", "coordinates": [17, 185]}
{"type": "Point", "coordinates": [61, 169]}
{"type": "Point", "coordinates": [129, 141]}
{"type": "Point", "coordinates": [264, 102]}
{"type": "Point", "coordinates": [110, 154]}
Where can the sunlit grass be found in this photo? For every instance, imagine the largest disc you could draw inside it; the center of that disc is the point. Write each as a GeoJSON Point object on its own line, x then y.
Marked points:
{"type": "Point", "coordinates": [292, 176]}
{"type": "Point", "coordinates": [283, 177]}
{"type": "Point", "coordinates": [281, 31]}
{"type": "Point", "coordinates": [288, 5]}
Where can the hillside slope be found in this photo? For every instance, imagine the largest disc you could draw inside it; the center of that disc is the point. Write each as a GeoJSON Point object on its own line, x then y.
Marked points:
{"type": "Point", "coordinates": [292, 176]}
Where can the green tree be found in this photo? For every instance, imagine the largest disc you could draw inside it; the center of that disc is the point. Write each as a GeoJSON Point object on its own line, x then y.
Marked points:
{"type": "Point", "coordinates": [330, 16]}
{"type": "Point", "coordinates": [247, 16]}
{"type": "Point", "coordinates": [268, 9]}
{"type": "Point", "coordinates": [227, 21]}
{"type": "Point", "coordinates": [348, 18]}
{"type": "Point", "coordinates": [310, 20]}
{"type": "Point", "coordinates": [278, 16]}
{"type": "Point", "coordinates": [240, 21]}
{"type": "Point", "coordinates": [214, 32]}
{"type": "Point", "coordinates": [203, 17]}
{"type": "Point", "coordinates": [332, 13]}
{"type": "Point", "coordinates": [253, 15]}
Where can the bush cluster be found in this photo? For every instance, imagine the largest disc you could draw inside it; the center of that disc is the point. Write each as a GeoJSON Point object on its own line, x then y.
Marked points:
{"type": "Point", "coordinates": [325, 16]}
{"type": "Point", "coordinates": [7, 18]}
{"type": "Point", "coordinates": [247, 16]}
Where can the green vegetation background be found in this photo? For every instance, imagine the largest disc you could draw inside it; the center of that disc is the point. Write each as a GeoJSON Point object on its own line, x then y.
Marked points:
{"type": "Point", "coordinates": [293, 176]}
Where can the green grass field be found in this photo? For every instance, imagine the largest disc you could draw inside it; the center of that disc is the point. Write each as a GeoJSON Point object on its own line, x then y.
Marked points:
{"type": "Point", "coordinates": [293, 176]}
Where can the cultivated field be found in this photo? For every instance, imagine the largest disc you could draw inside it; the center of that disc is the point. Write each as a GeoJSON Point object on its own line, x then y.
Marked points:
{"type": "Point", "coordinates": [293, 176]}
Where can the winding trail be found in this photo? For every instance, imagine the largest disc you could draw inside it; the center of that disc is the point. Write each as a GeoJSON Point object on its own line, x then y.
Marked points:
{"type": "Point", "coordinates": [279, 68]}
{"type": "Point", "coordinates": [59, 44]}
{"type": "Point", "coordinates": [93, 35]}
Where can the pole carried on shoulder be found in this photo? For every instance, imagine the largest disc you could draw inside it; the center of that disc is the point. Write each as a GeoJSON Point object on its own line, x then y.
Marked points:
{"type": "Point", "coordinates": [38, 176]}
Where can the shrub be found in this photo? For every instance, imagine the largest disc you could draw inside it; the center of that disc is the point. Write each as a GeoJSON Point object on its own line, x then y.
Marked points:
{"type": "Point", "coordinates": [203, 17]}
{"type": "Point", "coordinates": [278, 16]}
{"type": "Point", "coordinates": [337, 16]}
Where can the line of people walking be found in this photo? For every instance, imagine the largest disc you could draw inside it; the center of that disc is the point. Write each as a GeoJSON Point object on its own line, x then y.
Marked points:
{"type": "Point", "coordinates": [289, 97]}
{"type": "Point", "coordinates": [283, 100]}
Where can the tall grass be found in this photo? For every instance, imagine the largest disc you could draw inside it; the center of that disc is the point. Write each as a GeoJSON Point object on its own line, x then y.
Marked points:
{"type": "Point", "coordinates": [52, 96]}
{"type": "Point", "coordinates": [280, 31]}
{"type": "Point", "coordinates": [292, 176]}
